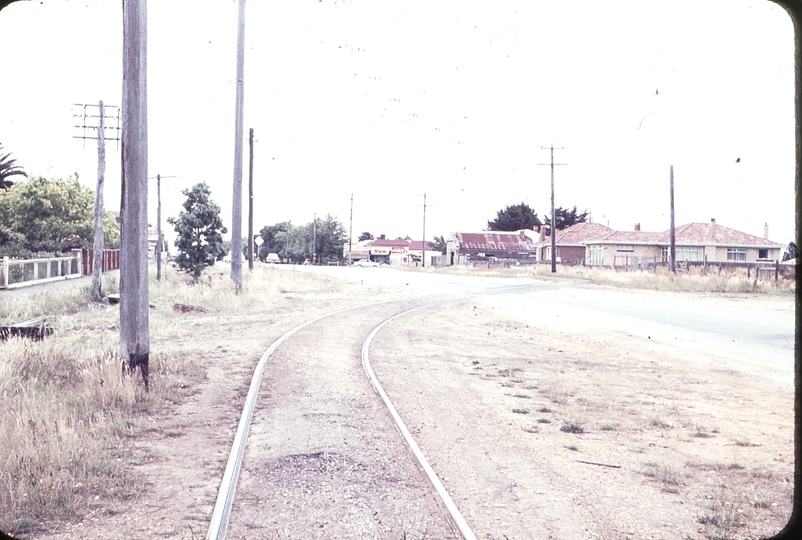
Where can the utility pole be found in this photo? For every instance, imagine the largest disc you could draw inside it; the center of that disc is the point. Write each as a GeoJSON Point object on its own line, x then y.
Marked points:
{"type": "Point", "coordinates": [250, 200]}
{"type": "Point", "coordinates": [314, 239]}
{"type": "Point", "coordinates": [134, 329]}
{"type": "Point", "coordinates": [351, 230]}
{"type": "Point", "coordinates": [159, 236]}
{"type": "Point", "coordinates": [553, 230]}
{"type": "Point", "coordinates": [87, 121]}
{"type": "Point", "coordinates": [97, 264]}
{"type": "Point", "coordinates": [236, 225]}
{"type": "Point", "coordinates": [423, 258]}
{"type": "Point", "coordinates": [672, 238]}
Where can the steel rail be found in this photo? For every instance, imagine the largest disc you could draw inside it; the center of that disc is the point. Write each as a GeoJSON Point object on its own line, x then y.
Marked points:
{"type": "Point", "coordinates": [225, 497]}
{"type": "Point", "coordinates": [452, 509]}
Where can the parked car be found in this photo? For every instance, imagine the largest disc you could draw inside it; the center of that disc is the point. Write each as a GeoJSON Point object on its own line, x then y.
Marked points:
{"type": "Point", "coordinates": [366, 263]}
{"type": "Point", "coordinates": [272, 258]}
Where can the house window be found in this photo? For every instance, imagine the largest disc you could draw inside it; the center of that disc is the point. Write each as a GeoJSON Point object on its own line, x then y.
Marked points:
{"type": "Point", "coordinates": [594, 255]}
{"type": "Point", "coordinates": [685, 253]}
{"type": "Point", "coordinates": [764, 254]}
{"type": "Point", "coordinates": [664, 254]}
{"type": "Point", "coordinates": [736, 254]}
{"type": "Point", "coordinates": [625, 248]}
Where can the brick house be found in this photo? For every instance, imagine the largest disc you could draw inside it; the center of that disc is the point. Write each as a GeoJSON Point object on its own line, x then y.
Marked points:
{"type": "Point", "coordinates": [694, 242]}
{"type": "Point", "coordinates": [570, 242]}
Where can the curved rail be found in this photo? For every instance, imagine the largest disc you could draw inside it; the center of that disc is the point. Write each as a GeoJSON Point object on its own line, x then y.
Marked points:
{"type": "Point", "coordinates": [453, 511]}
{"type": "Point", "coordinates": [222, 507]}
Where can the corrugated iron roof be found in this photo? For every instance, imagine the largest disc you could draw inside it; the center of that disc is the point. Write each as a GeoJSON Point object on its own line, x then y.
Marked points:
{"type": "Point", "coordinates": [507, 241]}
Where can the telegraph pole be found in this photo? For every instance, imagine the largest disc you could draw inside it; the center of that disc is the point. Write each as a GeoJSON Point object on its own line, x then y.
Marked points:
{"type": "Point", "coordinates": [423, 259]}
{"type": "Point", "coordinates": [88, 122]}
{"type": "Point", "coordinates": [250, 201]}
{"type": "Point", "coordinates": [672, 238]}
{"type": "Point", "coordinates": [553, 231]}
{"type": "Point", "coordinates": [314, 238]}
{"type": "Point", "coordinates": [351, 230]}
{"type": "Point", "coordinates": [134, 330]}
{"type": "Point", "coordinates": [159, 239]}
{"type": "Point", "coordinates": [236, 225]}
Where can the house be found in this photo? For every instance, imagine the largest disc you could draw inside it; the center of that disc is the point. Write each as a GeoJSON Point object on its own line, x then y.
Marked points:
{"type": "Point", "coordinates": [516, 245]}
{"type": "Point", "coordinates": [570, 242]}
{"type": "Point", "coordinates": [694, 242]}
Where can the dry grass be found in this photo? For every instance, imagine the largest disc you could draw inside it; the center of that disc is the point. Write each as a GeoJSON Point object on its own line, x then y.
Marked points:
{"type": "Point", "coordinates": [66, 408]}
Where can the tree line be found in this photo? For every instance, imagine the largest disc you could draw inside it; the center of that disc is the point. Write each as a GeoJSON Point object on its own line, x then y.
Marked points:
{"type": "Point", "coordinates": [521, 216]}
{"type": "Point", "coordinates": [46, 215]}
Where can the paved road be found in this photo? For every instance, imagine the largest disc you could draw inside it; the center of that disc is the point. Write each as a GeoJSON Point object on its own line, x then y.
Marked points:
{"type": "Point", "coordinates": [33, 290]}
{"type": "Point", "coordinates": [752, 334]}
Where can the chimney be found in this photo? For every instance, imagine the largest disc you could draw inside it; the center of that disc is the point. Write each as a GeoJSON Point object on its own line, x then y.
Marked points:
{"type": "Point", "coordinates": [637, 226]}
{"type": "Point", "coordinates": [542, 233]}
{"type": "Point", "coordinates": [766, 231]}
{"type": "Point", "coordinates": [381, 237]}
{"type": "Point", "coordinates": [710, 237]}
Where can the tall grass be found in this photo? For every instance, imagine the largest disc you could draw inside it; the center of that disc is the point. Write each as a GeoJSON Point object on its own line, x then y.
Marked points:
{"type": "Point", "coordinates": [67, 411]}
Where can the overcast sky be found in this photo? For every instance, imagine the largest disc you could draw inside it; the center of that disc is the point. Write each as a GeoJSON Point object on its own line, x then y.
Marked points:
{"type": "Point", "coordinates": [388, 100]}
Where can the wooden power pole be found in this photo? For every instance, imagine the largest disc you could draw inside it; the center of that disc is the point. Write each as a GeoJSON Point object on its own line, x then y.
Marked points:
{"type": "Point", "coordinates": [553, 229]}
{"type": "Point", "coordinates": [134, 331]}
{"type": "Point", "coordinates": [672, 238]}
{"type": "Point", "coordinates": [250, 200]}
{"type": "Point", "coordinates": [236, 214]}
{"type": "Point", "coordinates": [97, 263]}
{"type": "Point", "coordinates": [85, 123]}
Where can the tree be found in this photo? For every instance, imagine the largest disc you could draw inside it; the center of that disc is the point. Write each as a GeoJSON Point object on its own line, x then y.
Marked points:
{"type": "Point", "coordinates": [439, 244]}
{"type": "Point", "coordinates": [50, 215]}
{"type": "Point", "coordinates": [274, 238]}
{"type": "Point", "coordinates": [566, 218]}
{"type": "Point", "coordinates": [365, 236]}
{"type": "Point", "coordinates": [7, 169]}
{"type": "Point", "coordinates": [514, 218]}
{"type": "Point", "coordinates": [199, 229]}
{"type": "Point", "coordinates": [331, 236]}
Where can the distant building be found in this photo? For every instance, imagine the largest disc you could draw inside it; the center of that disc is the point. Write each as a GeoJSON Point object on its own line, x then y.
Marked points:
{"type": "Point", "coordinates": [570, 242]}
{"type": "Point", "coordinates": [394, 252]}
{"type": "Point", "coordinates": [462, 248]}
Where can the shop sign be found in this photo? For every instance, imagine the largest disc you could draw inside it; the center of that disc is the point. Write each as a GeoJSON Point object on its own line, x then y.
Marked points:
{"type": "Point", "coordinates": [399, 249]}
{"type": "Point", "coordinates": [380, 251]}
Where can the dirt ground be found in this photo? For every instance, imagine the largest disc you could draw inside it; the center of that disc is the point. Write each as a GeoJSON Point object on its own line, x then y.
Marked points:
{"type": "Point", "coordinates": [535, 434]}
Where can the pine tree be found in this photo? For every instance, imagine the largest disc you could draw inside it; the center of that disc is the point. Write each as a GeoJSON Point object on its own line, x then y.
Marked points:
{"type": "Point", "coordinates": [200, 230]}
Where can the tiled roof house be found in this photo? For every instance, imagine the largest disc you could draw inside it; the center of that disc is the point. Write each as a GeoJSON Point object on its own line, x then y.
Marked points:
{"type": "Point", "coordinates": [694, 242]}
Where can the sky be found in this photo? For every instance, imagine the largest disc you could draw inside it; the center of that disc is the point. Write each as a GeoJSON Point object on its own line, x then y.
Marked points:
{"type": "Point", "coordinates": [387, 101]}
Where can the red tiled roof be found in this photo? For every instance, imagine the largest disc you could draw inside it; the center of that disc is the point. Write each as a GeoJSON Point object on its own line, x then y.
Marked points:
{"type": "Point", "coordinates": [630, 236]}
{"type": "Point", "coordinates": [579, 232]}
{"type": "Point", "coordinates": [703, 233]}
{"type": "Point", "coordinates": [690, 233]}
{"type": "Point", "coordinates": [494, 241]}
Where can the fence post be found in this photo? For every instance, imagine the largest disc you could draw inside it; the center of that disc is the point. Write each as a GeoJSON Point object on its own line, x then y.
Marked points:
{"type": "Point", "coordinates": [5, 272]}
{"type": "Point", "coordinates": [776, 270]}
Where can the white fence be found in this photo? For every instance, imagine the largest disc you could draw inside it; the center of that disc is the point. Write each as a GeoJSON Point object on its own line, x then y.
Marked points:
{"type": "Point", "coordinates": [25, 272]}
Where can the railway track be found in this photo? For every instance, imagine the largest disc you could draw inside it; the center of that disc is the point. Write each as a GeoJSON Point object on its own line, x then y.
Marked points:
{"type": "Point", "coordinates": [352, 476]}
